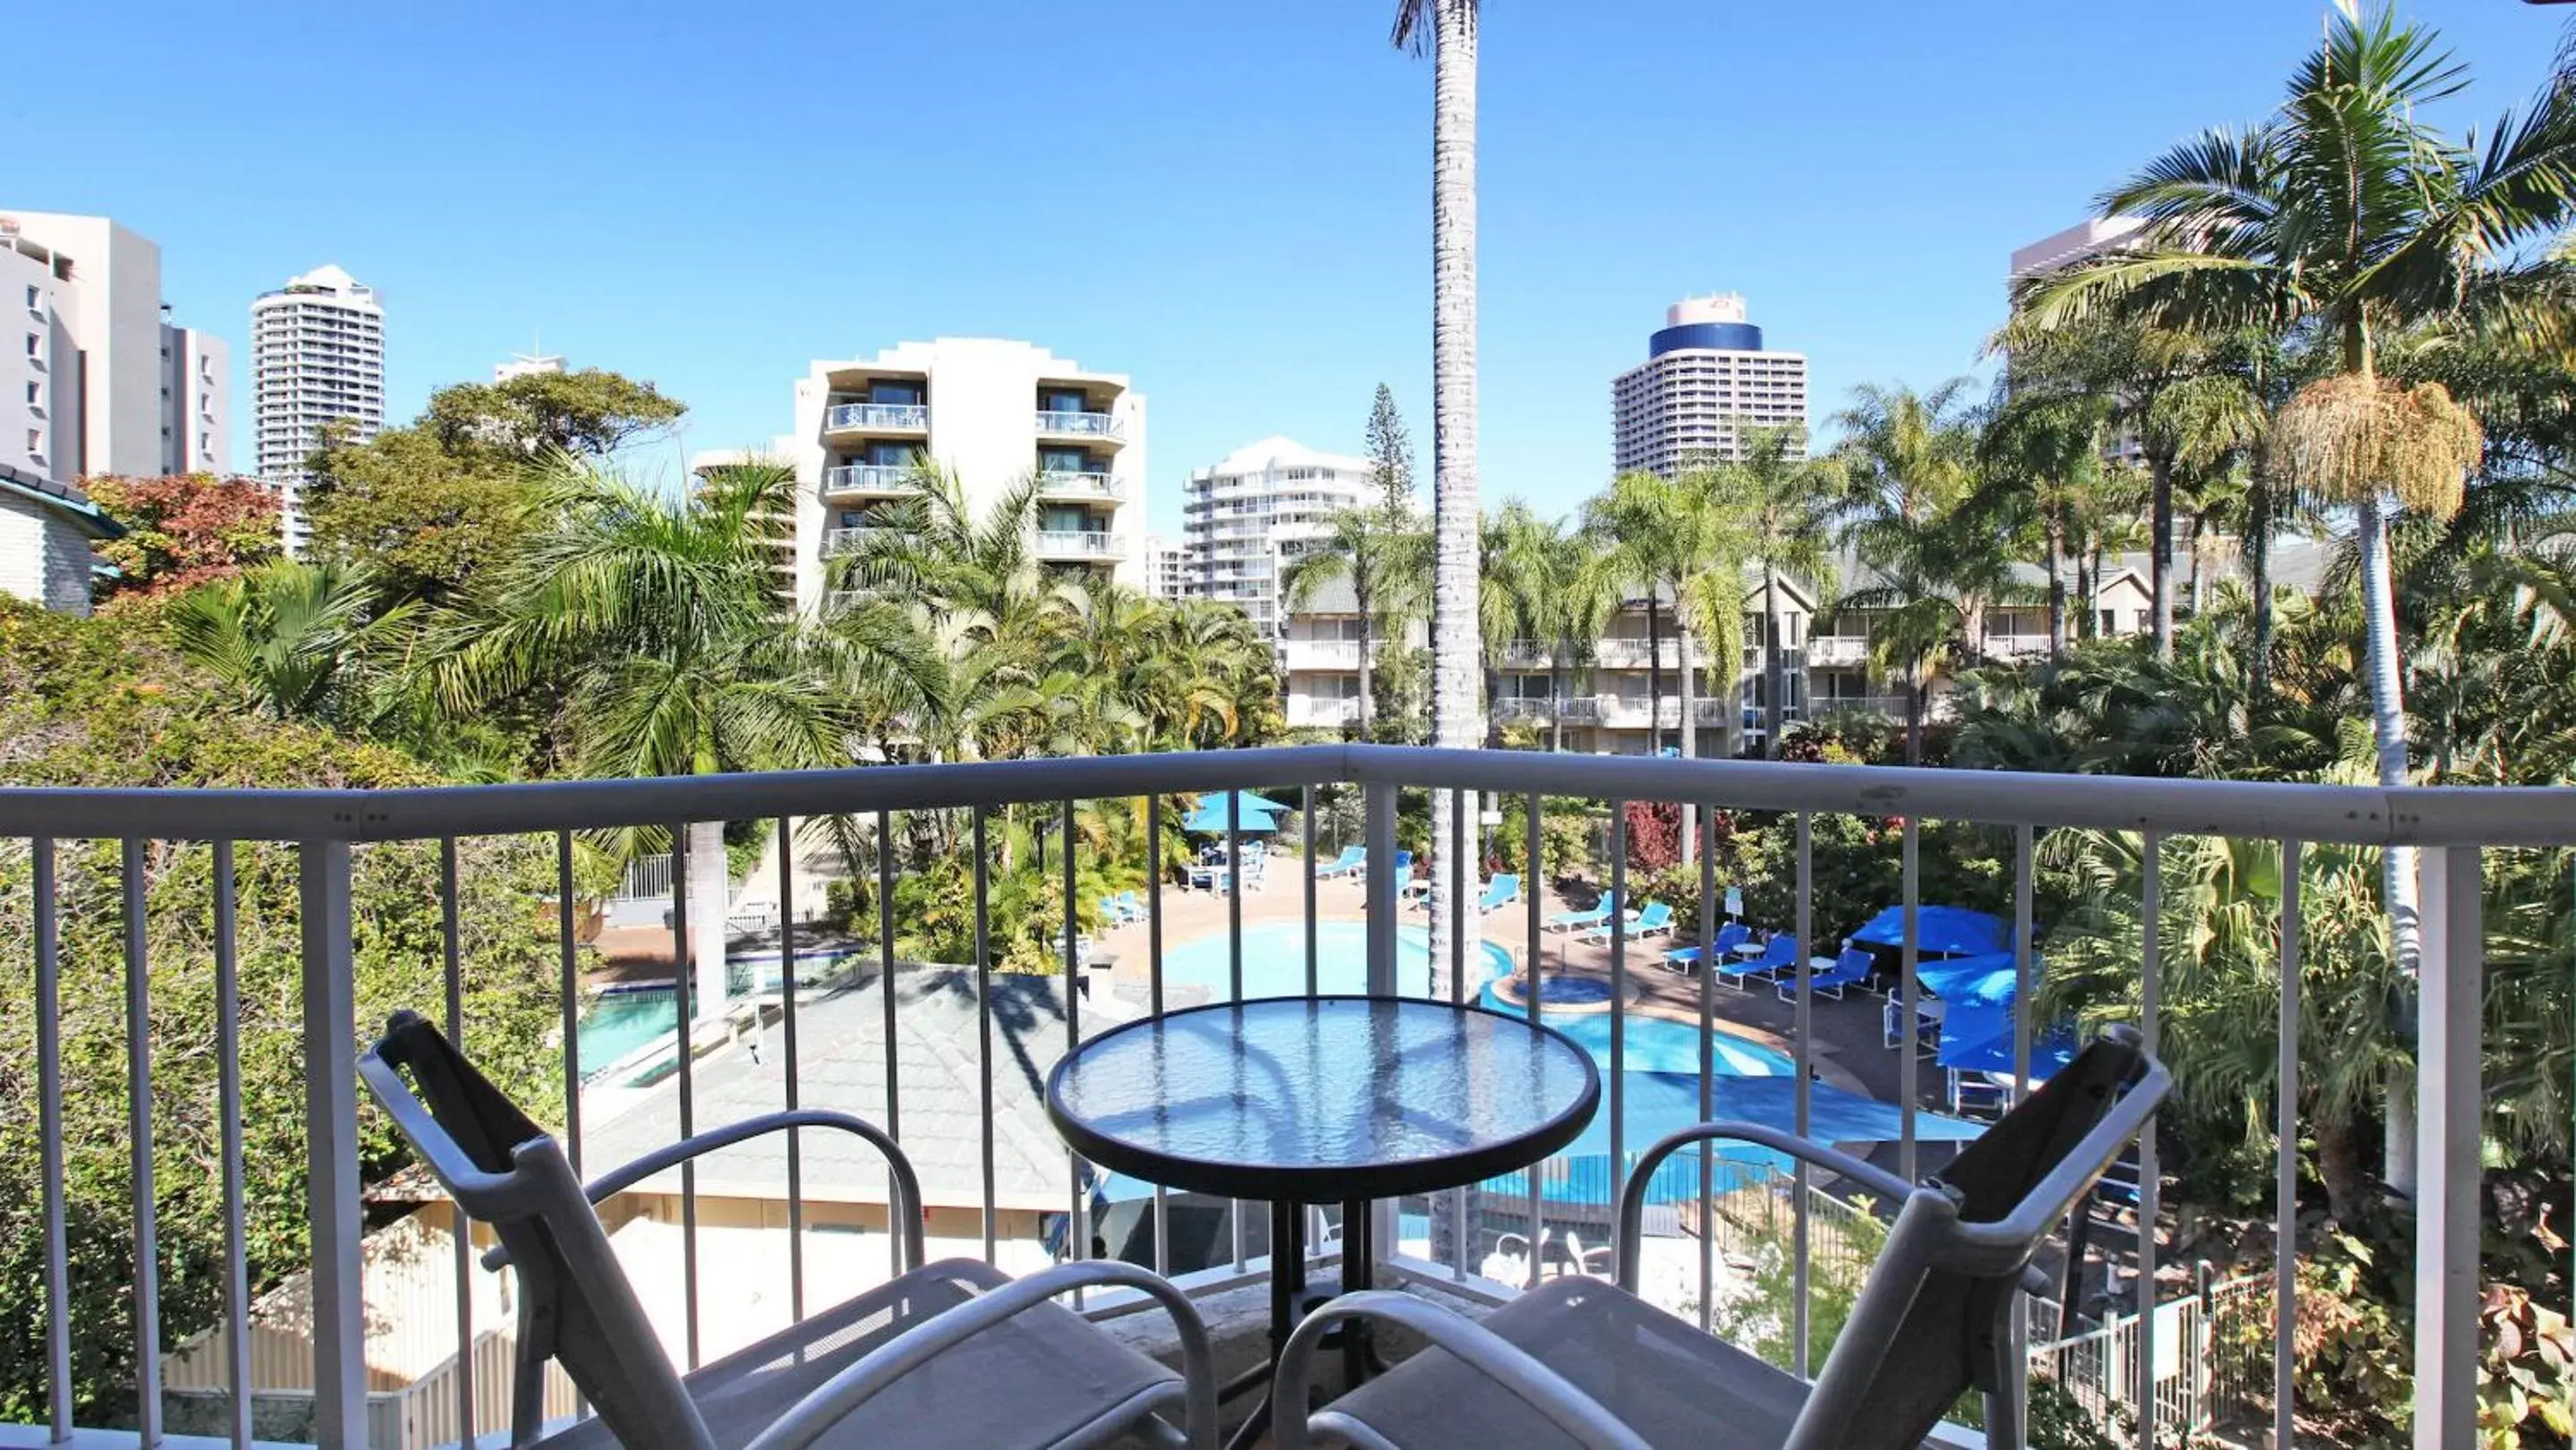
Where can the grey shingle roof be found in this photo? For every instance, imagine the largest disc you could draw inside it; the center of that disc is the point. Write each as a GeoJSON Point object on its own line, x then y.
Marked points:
{"type": "Point", "coordinates": [840, 1046]}
{"type": "Point", "coordinates": [63, 496]}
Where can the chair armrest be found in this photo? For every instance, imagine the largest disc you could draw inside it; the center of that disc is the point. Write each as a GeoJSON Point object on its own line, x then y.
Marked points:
{"type": "Point", "coordinates": [1632, 1202]}
{"type": "Point", "coordinates": [829, 1402]}
{"type": "Point", "coordinates": [1489, 1354]}
{"type": "Point", "coordinates": [904, 1212]}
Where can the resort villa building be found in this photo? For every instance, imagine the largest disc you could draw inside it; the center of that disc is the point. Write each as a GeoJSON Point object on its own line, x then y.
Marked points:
{"type": "Point", "coordinates": [995, 413]}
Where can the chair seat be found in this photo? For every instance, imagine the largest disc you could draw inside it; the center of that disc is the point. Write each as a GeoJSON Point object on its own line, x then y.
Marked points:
{"type": "Point", "coordinates": [1033, 1380]}
{"type": "Point", "coordinates": [1677, 1388]}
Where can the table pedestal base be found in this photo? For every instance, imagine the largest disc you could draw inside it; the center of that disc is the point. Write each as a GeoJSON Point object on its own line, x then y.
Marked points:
{"type": "Point", "coordinates": [1289, 1302]}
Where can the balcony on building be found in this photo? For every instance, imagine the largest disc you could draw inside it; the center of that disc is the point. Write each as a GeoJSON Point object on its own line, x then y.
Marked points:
{"type": "Point", "coordinates": [871, 480]}
{"type": "Point", "coordinates": [1083, 545]}
{"type": "Point", "coordinates": [868, 402]}
{"type": "Point", "coordinates": [1077, 410]}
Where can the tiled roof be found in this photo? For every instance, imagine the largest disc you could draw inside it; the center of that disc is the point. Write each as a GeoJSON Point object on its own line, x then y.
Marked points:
{"type": "Point", "coordinates": [840, 1046]}
{"type": "Point", "coordinates": [64, 497]}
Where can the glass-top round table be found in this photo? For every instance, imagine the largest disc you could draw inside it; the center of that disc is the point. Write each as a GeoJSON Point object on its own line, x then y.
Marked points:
{"type": "Point", "coordinates": [1299, 1100]}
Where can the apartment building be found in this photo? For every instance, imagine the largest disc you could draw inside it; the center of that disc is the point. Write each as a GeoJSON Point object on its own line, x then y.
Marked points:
{"type": "Point", "coordinates": [1255, 512]}
{"type": "Point", "coordinates": [317, 358]}
{"type": "Point", "coordinates": [1621, 693]}
{"type": "Point", "coordinates": [97, 378]}
{"type": "Point", "coordinates": [1166, 567]}
{"type": "Point", "coordinates": [526, 365]}
{"type": "Point", "coordinates": [2084, 239]}
{"type": "Point", "coordinates": [993, 411]}
{"type": "Point", "coordinates": [1706, 376]}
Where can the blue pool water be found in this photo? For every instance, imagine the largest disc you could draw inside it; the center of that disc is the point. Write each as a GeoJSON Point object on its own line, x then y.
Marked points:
{"type": "Point", "coordinates": [1274, 961]}
{"type": "Point", "coordinates": [626, 1019]}
{"type": "Point", "coordinates": [1659, 1089]}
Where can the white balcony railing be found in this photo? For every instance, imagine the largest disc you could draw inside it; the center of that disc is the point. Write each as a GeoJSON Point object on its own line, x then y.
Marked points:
{"type": "Point", "coordinates": [1583, 709]}
{"type": "Point", "coordinates": [1322, 712]}
{"type": "Point", "coordinates": [878, 418]}
{"type": "Point", "coordinates": [1077, 544]}
{"type": "Point", "coordinates": [870, 478]}
{"type": "Point", "coordinates": [1535, 710]}
{"type": "Point", "coordinates": [843, 541]}
{"type": "Point", "coordinates": [1635, 712]}
{"type": "Point", "coordinates": [87, 990]}
{"type": "Point", "coordinates": [1527, 652]}
{"type": "Point", "coordinates": [1321, 654]}
{"type": "Point", "coordinates": [1067, 423]}
{"type": "Point", "coordinates": [1836, 651]}
{"type": "Point", "coordinates": [1059, 483]}
{"type": "Point", "coordinates": [2015, 646]}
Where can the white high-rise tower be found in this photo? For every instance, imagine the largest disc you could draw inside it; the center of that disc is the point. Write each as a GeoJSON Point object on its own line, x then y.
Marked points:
{"type": "Point", "coordinates": [317, 358]}
{"type": "Point", "coordinates": [1706, 376]}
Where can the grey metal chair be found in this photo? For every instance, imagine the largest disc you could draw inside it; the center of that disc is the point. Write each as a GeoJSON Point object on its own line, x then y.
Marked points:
{"type": "Point", "coordinates": [952, 1353]}
{"type": "Point", "coordinates": [1578, 1362]}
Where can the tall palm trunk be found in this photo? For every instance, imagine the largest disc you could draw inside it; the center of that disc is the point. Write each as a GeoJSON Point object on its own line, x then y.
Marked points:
{"type": "Point", "coordinates": [1654, 672]}
{"type": "Point", "coordinates": [1560, 684]}
{"type": "Point", "coordinates": [2160, 546]}
{"type": "Point", "coordinates": [1368, 647]}
{"type": "Point", "coordinates": [2398, 885]}
{"type": "Point", "coordinates": [1775, 679]}
{"type": "Point", "coordinates": [1914, 687]}
{"type": "Point", "coordinates": [1689, 721]}
{"type": "Point", "coordinates": [710, 888]}
{"type": "Point", "coordinates": [2258, 569]}
{"type": "Point", "coordinates": [2055, 529]}
{"type": "Point", "coordinates": [1457, 523]}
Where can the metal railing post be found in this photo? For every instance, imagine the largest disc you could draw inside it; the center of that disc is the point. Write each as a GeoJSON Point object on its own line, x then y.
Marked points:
{"type": "Point", "coordinates": [331, 1134]}
{"type": "Point", "coordinates": [2446, 1124]}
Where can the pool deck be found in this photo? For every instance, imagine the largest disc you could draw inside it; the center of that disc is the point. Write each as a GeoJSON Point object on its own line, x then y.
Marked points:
{"type": "Point", "coordinates": [1849, 1051]}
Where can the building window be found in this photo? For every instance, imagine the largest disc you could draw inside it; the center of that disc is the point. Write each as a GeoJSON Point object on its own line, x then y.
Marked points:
{"type": "Point", "coordinates": [35, 299]}
{"type": "Point", "coordinates": [35, 396]}
{"type": "Point", "coordinates": [33, 342]}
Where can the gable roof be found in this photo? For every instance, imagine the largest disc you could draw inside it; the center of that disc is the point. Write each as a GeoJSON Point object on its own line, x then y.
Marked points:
{"type": "Point", "coordinates": [62, 498]}
{"type": "Point", "coordinates": [841, 1066]}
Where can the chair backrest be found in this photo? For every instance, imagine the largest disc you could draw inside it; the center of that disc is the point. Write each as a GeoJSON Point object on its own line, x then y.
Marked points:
{"type": "Point", "coordinates": [1933, 1321]}
{"type": "Point", "coordinates": [1780, 950]}
{"type": "Point", "coordinates": [1404, 860]}
{"type": "Point", "coordinates": [1732, 935]}
{"type": "Point", "coordinates": [1655, 914]}
{"type": "Point", "coordinates": [1855, 962]}
{"type": "Point", "coordinates": [575, 1304]}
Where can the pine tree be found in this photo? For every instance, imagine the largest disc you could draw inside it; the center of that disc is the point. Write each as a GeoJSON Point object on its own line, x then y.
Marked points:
{"type": "Point", "coordinates": [1390, 451]}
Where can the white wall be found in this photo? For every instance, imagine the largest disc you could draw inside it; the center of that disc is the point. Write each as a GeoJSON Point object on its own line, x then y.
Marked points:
{"type": "Point", "coordinates": [43, 558]}
{"type": "Point", "coordinates": [197, 374]}
{"type": "Point", "coordinates": [113, 310]}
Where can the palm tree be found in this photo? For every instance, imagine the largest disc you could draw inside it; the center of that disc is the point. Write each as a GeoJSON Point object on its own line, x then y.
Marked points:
{"type": "Point", "coordinates": [1786, 503]}
{"type": "Point", "coordinates": [1448, 29]}
{"type": "Point", "coordinates": [290, 641]}
{"type": "Point", "coordinates": [657, 617]}
{"type": "Point", "coordinates": [1384, 556]}
{"type": "Point", "coordinates": [2344, 215]}
{"type": "Point", "coordinates": [2039, 454]}
{"type": "Point", "coordinates": [1936, 565]}
{"type": "Point", "coordinates": [1670, 538]}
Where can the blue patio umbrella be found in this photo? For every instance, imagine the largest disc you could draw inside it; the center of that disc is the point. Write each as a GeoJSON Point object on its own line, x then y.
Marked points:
{"type": "Point", "coordinates": [1987, 979]}
{"type": "Point", "coordinates": [1254, 814]}
{"type": "Point", "coordinates": [1949, 931]}
{"type": "Point", "coordinates": [1979, 1038]}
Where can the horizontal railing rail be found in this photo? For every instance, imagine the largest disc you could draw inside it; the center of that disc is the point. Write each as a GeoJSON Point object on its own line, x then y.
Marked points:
{"type": "Point", "coordinates": [2353, 814]}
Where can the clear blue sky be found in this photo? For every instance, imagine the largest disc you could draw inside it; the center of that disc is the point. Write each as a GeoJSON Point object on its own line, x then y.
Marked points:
{"type": "Point", "coordinates": [1230, 202]}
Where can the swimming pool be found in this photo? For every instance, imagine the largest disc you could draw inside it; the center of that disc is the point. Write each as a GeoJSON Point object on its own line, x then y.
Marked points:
{"type": "Point", "coordinates": [1659, 1092]}
{"type": "Point", "coordinates": [626, 1019]}
{"type": "Point", "coordinates": [1274, 961]}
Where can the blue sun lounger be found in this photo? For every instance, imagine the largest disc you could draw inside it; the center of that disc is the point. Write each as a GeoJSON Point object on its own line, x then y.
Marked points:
{"type": "Point", "coordinates": [1850, 969]}
{"type": "Point", "coordinates": [1656, 919]}
{"type": "Point", "coordinates": [1683, 959]}
{"type": "Point", "coordinates": [1780, 954]}
{"type": "Point", "coordinates": [1570, 920]}
{"type": "Point", "coordinates": [1503, 890]}
{"type": "Point", "coordinates": [1351, 860]}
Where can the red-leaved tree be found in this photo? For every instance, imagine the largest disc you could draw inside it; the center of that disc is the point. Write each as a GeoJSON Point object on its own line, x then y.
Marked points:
{"type": "Point", "coordinates": [182, 530]}
{"type": "Point", "coordinates": [1654, 835]}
